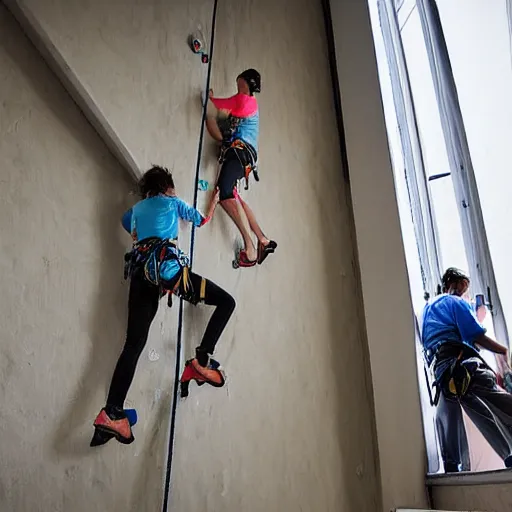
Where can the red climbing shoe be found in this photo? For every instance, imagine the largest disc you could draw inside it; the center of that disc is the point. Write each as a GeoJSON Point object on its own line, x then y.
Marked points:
{"type": "Point", "coordinates": [244, 261]}
{"type": "Point", "coordinates": [119, 427]}
{"type": "Point", "coordinates": [211, 374]}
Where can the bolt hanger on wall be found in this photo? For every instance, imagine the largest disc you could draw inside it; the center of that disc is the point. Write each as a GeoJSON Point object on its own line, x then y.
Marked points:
{"type": "Point", "coordinates": [196, 42]}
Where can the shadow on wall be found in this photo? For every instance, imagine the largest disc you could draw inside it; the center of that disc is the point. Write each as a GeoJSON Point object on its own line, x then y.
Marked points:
{"type": "Point", "coordinates": [108, 319]}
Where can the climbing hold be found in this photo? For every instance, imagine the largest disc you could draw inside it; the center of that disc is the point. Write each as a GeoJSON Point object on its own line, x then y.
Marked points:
{"type": "Point", "coordinates": [131, 414]}
{"type": "Point", "coordinates": [153, 355]}
{"type": "Point", "coordinates": [202, 185]}
{"type": "Point", "coordinates": [195, 41]}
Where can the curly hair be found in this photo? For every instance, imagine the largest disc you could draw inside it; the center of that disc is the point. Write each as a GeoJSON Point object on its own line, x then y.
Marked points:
{"type": "Point", "coordinates": [155, 181]}
{"type": "Point", "coordinates": [451, 276]}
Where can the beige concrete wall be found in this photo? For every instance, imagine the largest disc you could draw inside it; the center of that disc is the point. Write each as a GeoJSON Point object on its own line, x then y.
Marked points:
{"type": "Point", "coordinates": [75, 330]}
{"type": "Point", "coordinates": [293, 430]}
{"type": "Point", "coordinates": [132, 59]}
{"type": "Point", "coordinates": [387, 303]}
{"type": "Point", "coordinates": [63, 303]}
{"type": "Point", "coordinates": [484, 498]}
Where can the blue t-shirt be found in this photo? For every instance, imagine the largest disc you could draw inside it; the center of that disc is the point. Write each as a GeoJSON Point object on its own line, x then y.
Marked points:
{"type": "Point", "coordinates": [449, 318]}
{"type": "Point", "coordinates": [159, 217]}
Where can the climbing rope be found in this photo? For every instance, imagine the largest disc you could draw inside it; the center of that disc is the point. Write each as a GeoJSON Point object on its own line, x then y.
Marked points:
{"type": "Point", "coordinates": [177, 369]}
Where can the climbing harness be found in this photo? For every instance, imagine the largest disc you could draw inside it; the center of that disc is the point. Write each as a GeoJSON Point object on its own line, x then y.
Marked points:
{"type": "Point", "coordinates": [456, 379]}
{"type": "Point", "coordinates": [149, 254]}
{"type": "Point", "coordinates": [245, 154]}
{"type": "Point", "coordinates": [459, 377]}
{"type": "Point", "coordinates": [184, 289]}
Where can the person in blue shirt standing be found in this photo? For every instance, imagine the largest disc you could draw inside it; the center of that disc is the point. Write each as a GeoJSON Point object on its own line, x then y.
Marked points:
{"type": "Point", "coordinates": [156, 266]}
{"type": "Point", "coordinates": [452, 338]}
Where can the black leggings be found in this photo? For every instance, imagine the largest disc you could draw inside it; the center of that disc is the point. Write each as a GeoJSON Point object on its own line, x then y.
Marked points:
{"type": "Point", "coordinates": [142, 307]}
{"type": "Point", "coordinates": [232, 170]}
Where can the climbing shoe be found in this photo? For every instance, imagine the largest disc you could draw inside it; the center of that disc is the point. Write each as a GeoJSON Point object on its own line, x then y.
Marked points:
{"type": "Point", "coordinates": [211, 374]}
{"type": "Point", "coordinates": [265, 250]}
{"type": "Point", "coordinates": [244, 261]}
{"type": "Point", "coordinates": [113, 422]}
{"type": "Point", "coordinates": [101, 437]}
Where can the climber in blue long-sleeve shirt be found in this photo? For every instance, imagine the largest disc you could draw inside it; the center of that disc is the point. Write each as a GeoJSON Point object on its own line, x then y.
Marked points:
{"type": "Point", "coordinates": [157, 266]}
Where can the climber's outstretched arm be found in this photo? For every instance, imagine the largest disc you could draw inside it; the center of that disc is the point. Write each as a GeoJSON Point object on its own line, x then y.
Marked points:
{"type": "Point", "coordinates": [190, 214]}
{"type": "Point", "coordinates": [225, 105]}
{"type": "Point", "coordinates": [213, 203]}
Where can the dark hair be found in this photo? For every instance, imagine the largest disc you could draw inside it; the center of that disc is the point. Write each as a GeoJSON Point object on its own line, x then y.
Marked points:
{"type": "Point", "coordinates": [253, 79]}
{"type": "Point", "coordinates": [156, 180]}
{"type": "Point", "coordinates": [451, 276]}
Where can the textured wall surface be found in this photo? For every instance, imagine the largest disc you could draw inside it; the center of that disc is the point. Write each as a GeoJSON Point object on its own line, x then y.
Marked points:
{"type": "Point", "coordinates": [63, 302]}
{"type": "Point", "coordinates": [133, 59]}
{"type": "Point", "coordinates": [387, 303]}
{"type": "Point", "coordinates": [484, 498]}
{"type": "Point", "coordinates": [293, 428]}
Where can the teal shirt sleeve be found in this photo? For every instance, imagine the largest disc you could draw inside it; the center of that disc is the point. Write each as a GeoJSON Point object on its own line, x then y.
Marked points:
{"type": "Point", "coordinates": [189, 213]}
{"type": "Point", "coordinates": [126, 221]}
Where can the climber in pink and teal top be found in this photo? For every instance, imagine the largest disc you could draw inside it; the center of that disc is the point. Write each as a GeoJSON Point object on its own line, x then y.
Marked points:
{"type": "Point", "coordinates": [239, 155]}
{"type": "Point", "coordinates": [244, 118]}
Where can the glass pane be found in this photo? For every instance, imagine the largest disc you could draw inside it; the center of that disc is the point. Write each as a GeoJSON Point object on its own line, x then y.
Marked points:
{"type": "Point", "coordinates": [443, 201]}
{"type": "Point", "coordinates": [478, 41]}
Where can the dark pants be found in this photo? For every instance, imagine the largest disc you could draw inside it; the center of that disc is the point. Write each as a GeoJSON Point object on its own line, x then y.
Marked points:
{"type": "Point", "coordinates": [488, 407]}
{"type": "Point", "coordinates": [233, 169]}
{"type": "Point", "coordinates": [231, 172]}
{"type": "Point", "coordinates": [143, 303]}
